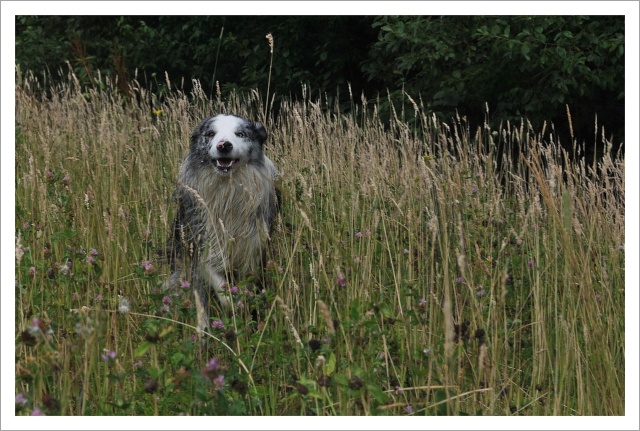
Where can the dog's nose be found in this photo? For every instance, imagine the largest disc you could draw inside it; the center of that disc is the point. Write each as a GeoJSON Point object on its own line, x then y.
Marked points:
{"type": "Point", "coordinates": [224, 146]}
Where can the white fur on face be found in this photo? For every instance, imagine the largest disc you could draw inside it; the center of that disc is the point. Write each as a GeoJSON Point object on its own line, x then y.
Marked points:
{"type": "Point", "coordinates": [230, 145]}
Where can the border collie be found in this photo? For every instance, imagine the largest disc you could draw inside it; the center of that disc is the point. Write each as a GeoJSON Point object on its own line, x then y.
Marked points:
{"type": "Point", "coordinates": [227, 203]}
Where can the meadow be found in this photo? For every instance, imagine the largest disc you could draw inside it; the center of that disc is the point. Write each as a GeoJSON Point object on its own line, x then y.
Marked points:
{"type": "Point", "coordinates": [418, 267]}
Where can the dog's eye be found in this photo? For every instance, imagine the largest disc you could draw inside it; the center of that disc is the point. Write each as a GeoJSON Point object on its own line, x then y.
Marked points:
{"type": "Point", "coordinates": [241, 135]}
{"type": "Point", "coordinates": [209, 134]}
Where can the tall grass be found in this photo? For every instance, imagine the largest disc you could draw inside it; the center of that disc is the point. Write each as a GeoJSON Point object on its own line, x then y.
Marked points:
{"type": "Point", "coordinates": [412, 272]}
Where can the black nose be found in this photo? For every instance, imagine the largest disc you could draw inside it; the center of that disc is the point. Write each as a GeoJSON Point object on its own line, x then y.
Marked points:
{"type": "Point", "coordinates": [224, 146]}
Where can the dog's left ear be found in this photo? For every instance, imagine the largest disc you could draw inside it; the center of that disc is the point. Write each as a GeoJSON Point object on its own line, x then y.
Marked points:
{"type": "Point", "coordinates": [261, 132]}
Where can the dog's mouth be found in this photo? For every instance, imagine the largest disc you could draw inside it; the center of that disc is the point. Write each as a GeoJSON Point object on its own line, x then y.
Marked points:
{"type": "Point", "coordinates": [224, 164]}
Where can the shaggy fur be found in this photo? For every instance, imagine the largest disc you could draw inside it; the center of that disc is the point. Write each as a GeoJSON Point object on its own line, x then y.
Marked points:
{"type": "Point", "coordinates": [226, 207]}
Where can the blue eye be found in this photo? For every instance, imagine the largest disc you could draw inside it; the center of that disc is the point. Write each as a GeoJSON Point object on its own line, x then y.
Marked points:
{"type": "Point", "coordinates": [241, 134]}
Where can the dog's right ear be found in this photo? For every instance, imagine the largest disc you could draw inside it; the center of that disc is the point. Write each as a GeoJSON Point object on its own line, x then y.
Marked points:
{"type": "Point", "coordinates": [261, 132]}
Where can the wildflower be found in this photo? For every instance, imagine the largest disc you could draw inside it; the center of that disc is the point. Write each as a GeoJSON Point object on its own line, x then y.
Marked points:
{"type": "Point", "coordinates": [315, 344]}
{"type": "Point", "coordinates": [32, 271]}
{"type": "Point", "coordinates": [157, 112]}
{"type": "Point", "coordinates": [217, 324]}
{"type": "Point", "coordinates": [530, 263]}
{"type": "Point", "coordinates": [234, 290]}
{"type": "Point", "coordinates": [214, 372]}
{"type": "Point", "coordinates": [355, 383]}
{"type": "Point", "coordinates": [99, 297]}
{"type": "Point", "coordinates": [109, 357]}
{"type": "Point", "coordinates": [91, 260]}
{"type": "Point", "coordinates": [480, 291]}
{"type": "Point", "coordinates": [166, 299]}
{"type": "Point", "coordinates": [218, 382]}
{"type": "Point", "coordinates": [151, 386]}
{"type": "Point", "coordinates": [123, 305]}
{"type": "Point", "coordinates": [240, 305]}
{"type": "Point", "coordinates": [21, 400]}
{"type": "Point", "coordinates": [459, 280]}
{"type": "Point", "coordinates": [409, 409]}
{"type": "Point", "coordinates": [35, 327]}
{"type": "Point", "coordinates": [148, 267]}
{"type": "Point", "coordinates": [358, 234]}
{"type": "Point", "coordinates": [341, 279]}
{"type": "Point", "coordinates": [185, 284]}
{"type": "Point", "coordinates": [93, 252]}
{"type": "Point", "coordinates": [37, 412]}
{"type": "Point", "coordinates": [137, 364]}
{"type": "Point", "coordinates": [422, 304]}
{"type": "Point", "coordinates": [474, 190]}
{"type": "Point", "coordinates": [166, 308]}
{"type": "Point", "coordinates": [621, 247]}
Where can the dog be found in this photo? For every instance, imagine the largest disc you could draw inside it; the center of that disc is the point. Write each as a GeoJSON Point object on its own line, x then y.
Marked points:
{"type": "Point", "coordinates": [227, 202]}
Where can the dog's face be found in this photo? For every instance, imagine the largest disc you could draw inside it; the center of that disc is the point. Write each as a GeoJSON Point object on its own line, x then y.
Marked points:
{"type": "Point", "coordinates": [229, 142]}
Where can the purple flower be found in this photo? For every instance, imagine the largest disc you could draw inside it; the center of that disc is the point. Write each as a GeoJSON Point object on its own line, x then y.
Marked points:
{"type": "Point", "coordinates": [459, 280]}
{"type": "Point", "coordinates": [530, 263]}
{"type": "Point", "coordinates": [93, 252]}
{"type": "Point", "coordinates": [409, 409]}
{"type": "Point", "coordinates": [91, 260]}
{"type": "Point", "coordinates": [422, 304]}
{"type": "Point", "coordinates": [358, 234]}
{"type": "Point", "coordinates": [480, 293]}
{"type": "Point", "coordinates": [218, 382]}
{"type": "Point", "coordinates": [148, 267]}
{"type": "Point", "coordinates": [341, 279]}
{"type": "Point", "coordinates": [32, 271]}
{"type": "Point", "coordinates": [109, 357]}
{"type": "Point", "coordinates": [166, 299]}
{"type": "Point", "coordinates": [185, 284]}
{"type": "Point", "coordinates": [474, 190]}
{"type": "Point", "coordinates": [234, 290]}
{"type": "Point", "coordinates": [240, 304]}
{"type": "Point", "coordinates": [37, 412]}
{"type": "Point", "coordinates": [213, 371]}
{"type": "Point", "coordinates": [21, 400]}
{"type": "Point", "coordinates": [217, 324]}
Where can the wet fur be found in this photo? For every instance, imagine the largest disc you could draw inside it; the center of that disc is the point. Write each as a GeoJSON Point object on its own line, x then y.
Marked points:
{"type": "Point", "coordinates": [224, 219]}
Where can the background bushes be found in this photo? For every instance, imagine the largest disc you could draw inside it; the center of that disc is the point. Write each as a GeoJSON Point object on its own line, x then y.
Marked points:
{"type": "Point", "coordinates": [517, 66]}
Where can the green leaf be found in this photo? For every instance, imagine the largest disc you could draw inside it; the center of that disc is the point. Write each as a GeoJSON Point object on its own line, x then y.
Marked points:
{"type": "Point", "coordinates": [330, 365]}
{"type": "Point", "coordinates": [142, 348]}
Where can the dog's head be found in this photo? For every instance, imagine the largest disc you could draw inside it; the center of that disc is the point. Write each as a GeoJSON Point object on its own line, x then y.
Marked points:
{"type": "Point", "coordinates": [229, 142]}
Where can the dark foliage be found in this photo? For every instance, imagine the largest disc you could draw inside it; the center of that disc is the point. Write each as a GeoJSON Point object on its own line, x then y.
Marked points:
{"type": "Point", "coordinates": [517, 66]}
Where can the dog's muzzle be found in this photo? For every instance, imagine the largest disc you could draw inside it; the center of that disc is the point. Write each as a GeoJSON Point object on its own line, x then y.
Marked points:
{"type": "Point", "coordinates": [224, 164]}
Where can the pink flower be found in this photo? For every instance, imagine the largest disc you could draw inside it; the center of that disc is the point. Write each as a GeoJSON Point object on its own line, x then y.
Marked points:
{"type": "Point", "coordinates": [341, 279]}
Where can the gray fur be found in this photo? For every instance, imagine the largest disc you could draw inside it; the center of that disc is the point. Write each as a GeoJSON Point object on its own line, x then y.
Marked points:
{"type": "Point", "coordinates": [226, 209]}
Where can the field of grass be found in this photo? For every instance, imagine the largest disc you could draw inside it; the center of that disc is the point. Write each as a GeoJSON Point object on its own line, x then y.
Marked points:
{"type": "Point", "coordinates": [408, 274]}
